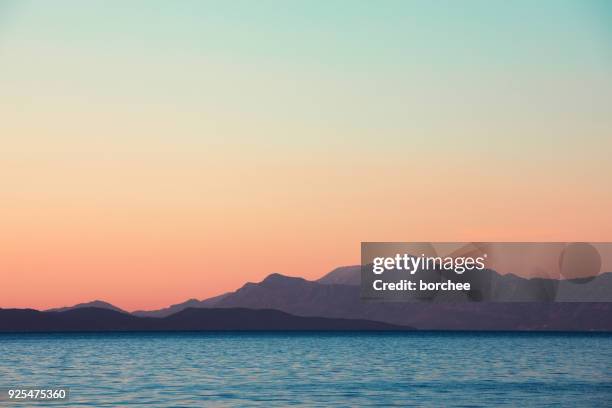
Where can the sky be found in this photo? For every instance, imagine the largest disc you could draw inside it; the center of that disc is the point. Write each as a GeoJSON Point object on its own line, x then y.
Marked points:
{"type": "Point", "coordinates": [152, 152]}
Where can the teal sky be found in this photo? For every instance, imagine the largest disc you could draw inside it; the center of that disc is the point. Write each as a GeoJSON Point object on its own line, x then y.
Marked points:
{"type": "Point", "coordinates": [340, 71]}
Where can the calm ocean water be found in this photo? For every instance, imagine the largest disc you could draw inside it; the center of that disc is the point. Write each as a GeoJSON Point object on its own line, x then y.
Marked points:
{"type": "Point", "coordinates": [279, 369]}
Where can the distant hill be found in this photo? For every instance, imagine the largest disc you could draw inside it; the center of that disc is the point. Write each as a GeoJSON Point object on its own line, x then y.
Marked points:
{"type": "Point", "coordinates": [349, 275]}
{"type": "Point", "coordinates": [235, 319]}
{"type": "Point", "coordinates": [95, 303]}
{"type": "Point", "coordinates": [193, 303]}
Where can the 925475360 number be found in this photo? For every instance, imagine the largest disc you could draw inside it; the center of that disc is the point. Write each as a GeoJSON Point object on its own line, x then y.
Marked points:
{"type": "Point", "coordinates": [36, 394]}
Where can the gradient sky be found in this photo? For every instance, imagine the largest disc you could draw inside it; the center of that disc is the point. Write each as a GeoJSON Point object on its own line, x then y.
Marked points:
{"type": "Point", "coordinates": [152, 152]}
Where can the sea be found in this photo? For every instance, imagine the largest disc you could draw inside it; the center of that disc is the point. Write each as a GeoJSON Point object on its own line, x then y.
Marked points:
{"type": "Point", "coordinates": [460, 369]}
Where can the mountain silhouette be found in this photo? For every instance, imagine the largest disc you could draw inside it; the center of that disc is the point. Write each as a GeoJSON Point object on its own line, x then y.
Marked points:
{"type": "Point", "coordinates": [100, 304]}
{"type": "Point", "coordinates": [307, 298]}
{"type": "Point", "coordinates": [191, 303]}
{"type": "Point", "coordinates": [526, 304]}
{"type": "Point", "coordinates": [86, 319]}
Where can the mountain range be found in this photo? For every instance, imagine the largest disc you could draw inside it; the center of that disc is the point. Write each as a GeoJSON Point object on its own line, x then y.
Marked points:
{"type": "Point", "coordinates": [527, 303]}
{"type": "Point", "coordinates": [87, 319]}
